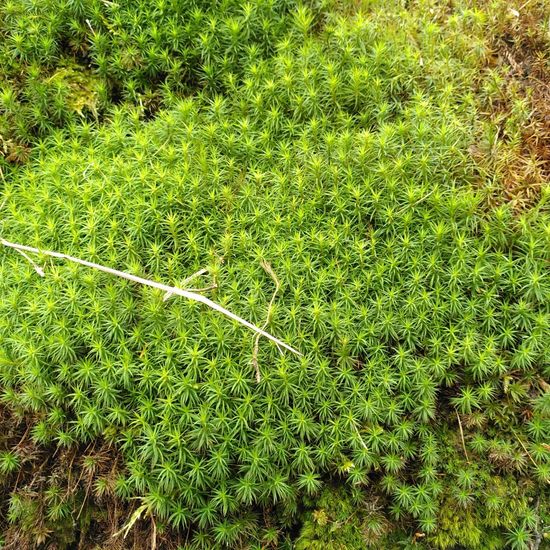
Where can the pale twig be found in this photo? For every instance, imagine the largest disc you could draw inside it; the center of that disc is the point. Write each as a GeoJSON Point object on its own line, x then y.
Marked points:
{"type": "Point", "coordinates": [154, 532]}
{"type": "Point", "coordinates": [125, 529]}
{"type": "Point", "coordinates": [361, 440]}
{"type": "Point", "coordinates": [165, 288]}
{"type": "Point", "coordinates": [37, 268]}
{"type": "Point", "coordinates": [198, 273]}
{"type": "Point", "coordinates": [194, 276]}
{"type": "Point", "coordinates": [525, 449]}
{"type": "Point", "coordinates": [416, 202]}
{"type": "Point", "coordinates": [90, 26]}
{"type": "Point", "coordinates": [203, 289]}
{"type": "Point", "coordinates": [524, 5]}
{"type": "Point", "coordinates": [269, 270]}
{"type": "Point", "coordinates": [462, 437]}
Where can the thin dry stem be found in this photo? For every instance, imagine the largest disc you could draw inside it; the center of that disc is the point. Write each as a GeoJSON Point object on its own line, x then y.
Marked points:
{"type": "Point", "coordinates": [37, 268]}
{"type": "Point", "coordinates": [153, 532]}
{"type": "Point", "coordinates": [147, 282]}
{"type": "Point", "coordinates": [361, 440]}
{"type": "Point", "coordinates": [525, 449]}
{"type": "Point", "coordinates": [269, 270]}
{"type": "Point", "coordinates": [421, 199]}
{"type": "Point", "coordinates": [198, 273]}
{"type": "Point", "coordinates": [462, 436]}
{"type": "Point", "coordinates": [203, 289]}
{"type": "Point", "coordinates": [136, 516]}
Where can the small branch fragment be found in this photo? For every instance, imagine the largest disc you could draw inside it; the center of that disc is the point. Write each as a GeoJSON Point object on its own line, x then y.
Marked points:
{"type": "Point", "coordinates": [462, 436]}
{"type": "Point", "coordinates": [269, 270]}
{"type": "Point", "coordinates": [525, 449]}
{"type": "Point", "coordinates": [200, 272]}
{"type": "Point", "coordinates": [361, 440]}
{"type": "Point", "coordinates": [37, 268]}
{"type": "Point", "coordinates": [125, 529]}
{"type": "Point", "coordinates": [147, 282]}
{"type": "Point", "coordinates": [153, 532]}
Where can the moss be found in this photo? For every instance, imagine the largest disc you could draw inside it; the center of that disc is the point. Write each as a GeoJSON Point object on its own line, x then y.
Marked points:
{"type": "Point", "coordinates": [340, 522]}
{"type": "Point", "coordinates": [337, 150]}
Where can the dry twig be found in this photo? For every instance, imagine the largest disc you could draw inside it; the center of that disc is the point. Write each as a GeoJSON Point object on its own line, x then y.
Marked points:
{"type": "Point", "coordinates": [525, 449]}
{"type": "Point", "coordinates": [269, 270]}
{"type": "Point", "coordinates": [198, 273]}
{"type": "Point", "coordinates": [462, 437]}
{"type": "Point", "coordinates": [147, 282]}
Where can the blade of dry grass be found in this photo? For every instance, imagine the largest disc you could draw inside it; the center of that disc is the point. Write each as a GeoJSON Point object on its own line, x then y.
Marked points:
{"type": "Point", "coordinates": [269, 270]}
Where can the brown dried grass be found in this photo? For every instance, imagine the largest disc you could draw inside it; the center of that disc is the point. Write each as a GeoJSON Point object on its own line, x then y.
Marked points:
{"type": "Point", "coordinates": [94, 519]}
{"type": "Point", "coordinates": [521, 57]}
